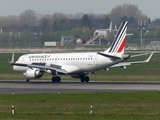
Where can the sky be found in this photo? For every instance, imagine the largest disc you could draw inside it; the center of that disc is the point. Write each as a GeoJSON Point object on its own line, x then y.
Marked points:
{"type": "Point", "coordinates": [16, 7]}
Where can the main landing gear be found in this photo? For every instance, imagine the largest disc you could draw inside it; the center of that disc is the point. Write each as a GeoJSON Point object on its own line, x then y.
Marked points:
{"type": "Point", "coordinates": [56, 79]}
{"type": "Point", "coordinates": [27, 79]}
{"type": "Point", "coordinates": [84, 79]}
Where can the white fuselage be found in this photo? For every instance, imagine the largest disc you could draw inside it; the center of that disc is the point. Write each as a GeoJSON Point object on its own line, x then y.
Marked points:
{"type": "Point", "coordinates": [73, 63]}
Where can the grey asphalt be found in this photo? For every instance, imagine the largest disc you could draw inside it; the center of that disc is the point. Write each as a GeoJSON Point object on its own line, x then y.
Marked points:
{"type": "Point", "coordinates": [39, 87]}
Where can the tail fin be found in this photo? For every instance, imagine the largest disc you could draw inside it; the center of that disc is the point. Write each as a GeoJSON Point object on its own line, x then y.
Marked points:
{"type": "Point", "coordinates": [110, 27]}
{"type": "Point", "coordinates": [119, 41]}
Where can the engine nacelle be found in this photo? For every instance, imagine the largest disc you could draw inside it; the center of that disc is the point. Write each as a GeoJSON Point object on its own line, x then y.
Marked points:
{"type": "Point", "coordinates": [33, 73]}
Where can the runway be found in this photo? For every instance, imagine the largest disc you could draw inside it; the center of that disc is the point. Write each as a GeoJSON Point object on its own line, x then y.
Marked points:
{"type": "Point", "coordinates": [39, 87]}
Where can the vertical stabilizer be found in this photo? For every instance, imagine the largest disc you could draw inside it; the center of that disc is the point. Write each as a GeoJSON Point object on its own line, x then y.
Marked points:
{"type": "Point", "coordinates": [12, 59]}
{"type": "Point", "coordinates": [110, 27]}
{"type": "Point", "coordinates": [119, 41]}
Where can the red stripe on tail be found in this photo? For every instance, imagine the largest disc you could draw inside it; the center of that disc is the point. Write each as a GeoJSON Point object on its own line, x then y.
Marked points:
{"type": "Point", "coordinates": [122, 45]}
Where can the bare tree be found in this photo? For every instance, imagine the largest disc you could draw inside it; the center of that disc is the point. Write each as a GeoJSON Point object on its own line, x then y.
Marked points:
{"type": "Point", "coordinates": [128, 10]}
{"type": "Point", "coordinates": [3, 21]}
{"type": "Point", "coordinates": [45, 25]}
{"type": "Point", "coordinates": [28, 17]}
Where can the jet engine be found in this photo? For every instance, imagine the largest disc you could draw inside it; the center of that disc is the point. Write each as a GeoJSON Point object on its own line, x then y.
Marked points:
{"type": "Point", "coordinates": [33, 73]}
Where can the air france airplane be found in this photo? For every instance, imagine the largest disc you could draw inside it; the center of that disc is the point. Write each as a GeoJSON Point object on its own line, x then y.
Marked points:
{"type": "Point", "coordinates": [77, 65]}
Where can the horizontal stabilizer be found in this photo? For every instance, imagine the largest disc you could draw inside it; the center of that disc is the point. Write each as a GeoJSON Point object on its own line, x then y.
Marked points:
{"type": "Point", "coordinates": [130, 63]}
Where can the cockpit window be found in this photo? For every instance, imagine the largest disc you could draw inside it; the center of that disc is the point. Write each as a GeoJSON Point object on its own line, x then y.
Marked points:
{"type": "Point", "coordinates": [96, 33]}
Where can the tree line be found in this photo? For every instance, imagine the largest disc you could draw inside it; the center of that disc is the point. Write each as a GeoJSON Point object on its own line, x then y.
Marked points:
{"type": "Point", "coordinates": [30, 28]}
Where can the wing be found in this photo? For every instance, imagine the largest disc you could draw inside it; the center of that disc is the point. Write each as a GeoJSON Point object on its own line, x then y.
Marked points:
{"type": "Point", "coordinates": [52, 67]}
{"type": "Point", "coordinates": [123, 64]}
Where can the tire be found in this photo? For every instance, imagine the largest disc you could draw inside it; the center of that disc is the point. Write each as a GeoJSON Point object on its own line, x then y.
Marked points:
{"type": "Point", "coordinates": [58, 79]}
{"type": "Point", "coordinates": [27, 80]}
{"type": "Point", "coordinates": [53, 79]}
{"type": "Point", "coordinates": [86, 78]}
{"type": "Point", "coordinates": [82, 79]}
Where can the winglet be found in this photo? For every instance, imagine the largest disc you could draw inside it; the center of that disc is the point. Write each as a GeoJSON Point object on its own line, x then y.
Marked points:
{"type": "Point", "coordinates": [12, 59]}
{"type": "Point", "coordinates": [147, 60]}
{"type": "Point", "coordinates": [139, 62]}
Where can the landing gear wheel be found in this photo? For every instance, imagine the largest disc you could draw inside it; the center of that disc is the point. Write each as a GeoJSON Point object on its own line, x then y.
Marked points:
{"type": "Point", "coordinates": [86, 78]}
{"type": "Point", "coordinates": [27, 80]}
{"type": "Point", "coordinates": [82, 79]}
{"type": "Point", "coordinates": [56, 79]}
{"type": "Point", "coordinates": [53, 79]}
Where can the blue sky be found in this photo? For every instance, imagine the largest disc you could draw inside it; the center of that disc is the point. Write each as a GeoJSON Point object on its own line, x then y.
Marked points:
{"type": "Point", "coordinates": [15, 7]}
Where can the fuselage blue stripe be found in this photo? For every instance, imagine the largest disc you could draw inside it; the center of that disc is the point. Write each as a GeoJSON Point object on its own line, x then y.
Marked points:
{"type": "Point", "coordinates": [118, 39]}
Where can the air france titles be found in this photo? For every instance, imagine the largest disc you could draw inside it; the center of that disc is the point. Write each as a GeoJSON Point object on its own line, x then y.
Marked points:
{"type": "Point", "coordinates": [39, 56]}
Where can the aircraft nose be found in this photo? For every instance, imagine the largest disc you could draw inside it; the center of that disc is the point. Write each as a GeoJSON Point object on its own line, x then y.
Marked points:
{"type": "Point", "coordinates": [19, 68]}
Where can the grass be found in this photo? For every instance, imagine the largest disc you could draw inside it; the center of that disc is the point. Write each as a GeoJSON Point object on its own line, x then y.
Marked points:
{"type": "Point", "coordinates": [109, 105]}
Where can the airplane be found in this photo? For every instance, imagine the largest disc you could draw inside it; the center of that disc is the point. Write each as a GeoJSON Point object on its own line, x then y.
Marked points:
{"type": "Point", "coordinates": [108, 34]}
{"type": "Point", "coordinates": [77, 65]}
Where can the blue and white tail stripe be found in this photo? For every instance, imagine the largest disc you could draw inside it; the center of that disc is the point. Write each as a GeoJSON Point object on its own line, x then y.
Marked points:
{"type": "Point", "coordinates": [120, 39]}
